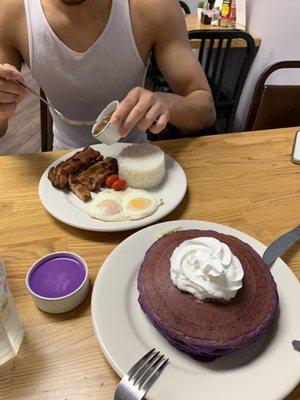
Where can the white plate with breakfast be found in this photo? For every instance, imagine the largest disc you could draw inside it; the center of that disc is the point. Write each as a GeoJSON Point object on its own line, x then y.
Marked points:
{"type": "Point", "coordinates": [201, 294]}
{"type": "Point", "coordinates": [112, 187]}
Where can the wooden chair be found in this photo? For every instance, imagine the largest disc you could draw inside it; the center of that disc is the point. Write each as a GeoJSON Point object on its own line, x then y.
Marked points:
{"type": "Point", "coordinates": [46, 126]}
{"type": "Point", "coordinates": [221, 59]}
{"type": "Point", "coordinates": [185, 7]}
{"type": "Point", "coordinates": [274, 106]}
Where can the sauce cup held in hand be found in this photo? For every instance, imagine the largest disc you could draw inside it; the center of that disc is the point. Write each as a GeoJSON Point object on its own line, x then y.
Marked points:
{"type": "Point", "coordinates": [103, 130]}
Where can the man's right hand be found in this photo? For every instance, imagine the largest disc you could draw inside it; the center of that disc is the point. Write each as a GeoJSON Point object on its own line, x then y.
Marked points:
{"type": "Point", "coordinates": [10, 93]}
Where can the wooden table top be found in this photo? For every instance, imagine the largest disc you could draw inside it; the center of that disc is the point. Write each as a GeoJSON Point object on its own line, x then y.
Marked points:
{"type": "Point", "coordinates": [192, 22]}
{"type": "Point", "coordinates": [244, 180]}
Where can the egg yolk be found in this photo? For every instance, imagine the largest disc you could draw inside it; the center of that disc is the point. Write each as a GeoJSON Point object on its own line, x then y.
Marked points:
{"type": "Point", "coordinates": [109, 207]}
{"type": "Point", "coordinates": [139, 203]}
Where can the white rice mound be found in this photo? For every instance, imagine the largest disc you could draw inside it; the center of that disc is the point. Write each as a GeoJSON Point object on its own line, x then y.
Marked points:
{"type": "Point", "coordinates": [142, 165]}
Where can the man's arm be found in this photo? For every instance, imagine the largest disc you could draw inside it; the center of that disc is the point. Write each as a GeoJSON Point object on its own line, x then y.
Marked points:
{"type": "Point", "coordinates": [191, 106]}
{"type": "Point", "coordinates": [10, 63]}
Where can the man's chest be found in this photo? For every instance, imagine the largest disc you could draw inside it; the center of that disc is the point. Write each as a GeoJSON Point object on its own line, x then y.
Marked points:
{"type": "Point", "coordinates": [81, 36]}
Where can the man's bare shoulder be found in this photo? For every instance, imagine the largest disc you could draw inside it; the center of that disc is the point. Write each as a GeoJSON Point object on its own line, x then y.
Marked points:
{"type": "Point", "coordinates": [11, 13]}
{"type": "Point", "coordinates": [158, 12]}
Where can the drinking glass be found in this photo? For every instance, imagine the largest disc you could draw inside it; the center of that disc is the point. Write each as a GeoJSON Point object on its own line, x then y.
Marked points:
{"type": "Point", "coordinates": [11, 329]}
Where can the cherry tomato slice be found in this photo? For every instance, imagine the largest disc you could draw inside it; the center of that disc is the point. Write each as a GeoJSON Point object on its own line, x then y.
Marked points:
{"type": "Point", "coordinates": [110, 180]}
{"type": "Point", "coordinates": [118, 185]}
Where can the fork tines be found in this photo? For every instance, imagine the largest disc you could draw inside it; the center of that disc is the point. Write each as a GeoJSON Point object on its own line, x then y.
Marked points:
{"type": "Point", "coordinates": [144, 373]}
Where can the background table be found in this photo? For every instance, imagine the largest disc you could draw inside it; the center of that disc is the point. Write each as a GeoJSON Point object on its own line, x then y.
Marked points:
{"type": "Point", "coordinates": [192, 22]}
{"type": "Point", "coordinates": [245, 181]}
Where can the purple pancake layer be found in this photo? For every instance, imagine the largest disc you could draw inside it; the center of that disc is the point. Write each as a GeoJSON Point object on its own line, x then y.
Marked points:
{"type": "Point", "coordinates": [207, 330]}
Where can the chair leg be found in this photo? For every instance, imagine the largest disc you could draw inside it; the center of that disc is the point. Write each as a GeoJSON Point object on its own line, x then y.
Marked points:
{"type": "Point", "coordinates": [46, 127]}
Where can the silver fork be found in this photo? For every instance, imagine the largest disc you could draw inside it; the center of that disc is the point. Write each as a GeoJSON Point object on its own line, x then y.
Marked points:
{"type": "Point", "coordinates": [58, 113]}
{"type": "Point", "coordinates": [141, 376]}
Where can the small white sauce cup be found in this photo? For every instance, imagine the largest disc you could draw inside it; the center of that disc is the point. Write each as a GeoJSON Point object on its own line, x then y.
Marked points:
{"type": "Point", "coordinates": [109, 134]}
{"type": "Point", "coordinates": [57, 305]}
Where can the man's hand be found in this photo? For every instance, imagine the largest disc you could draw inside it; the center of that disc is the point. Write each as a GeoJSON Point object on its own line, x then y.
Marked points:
{"type": "Point", "coordinates": [10, 93]}
{"type": "Point", "coordinates": [141, 108]}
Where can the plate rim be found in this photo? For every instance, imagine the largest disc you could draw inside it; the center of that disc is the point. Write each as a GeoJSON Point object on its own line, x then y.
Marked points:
{"type": "Point", "coordinates": [136, 224]}
{"type": "Point", "coordinates": [105, 265]}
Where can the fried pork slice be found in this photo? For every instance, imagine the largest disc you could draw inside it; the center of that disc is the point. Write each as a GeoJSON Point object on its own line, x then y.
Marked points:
{"type": "Point", "coordinates": [58, 178]}
{"type": "Point", "coordinates": [92, 178]}
{"type": "Point", "coordinates": [81, 191]}
{"type": "Point", "coordinates": [59, 175]}
{"type": "Point", "coordinates": [109, 167]}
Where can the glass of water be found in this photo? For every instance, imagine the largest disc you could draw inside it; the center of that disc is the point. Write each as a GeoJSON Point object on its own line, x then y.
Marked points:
{"type": "Point", "coordinates": [11, 329]}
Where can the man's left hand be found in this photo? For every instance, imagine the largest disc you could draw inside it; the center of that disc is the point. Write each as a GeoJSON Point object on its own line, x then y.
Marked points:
{"type": "Point", "coordinates": [141, 108]}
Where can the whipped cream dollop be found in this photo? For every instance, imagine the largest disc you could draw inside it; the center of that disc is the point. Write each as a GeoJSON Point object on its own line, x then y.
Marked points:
{"type": "Point", "coordinates": [206, 268]}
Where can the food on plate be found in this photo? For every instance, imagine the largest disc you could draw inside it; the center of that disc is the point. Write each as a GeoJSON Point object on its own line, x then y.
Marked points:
{"type": "Point", "coordinates": [92, 178]}
{"type": "Point", "coordinates": [115, 183]}
{"type": "Point", "coordinates": [84, 172]}
{"type": "Point", "coordinates": [138, 203]}
{"type": "Point", "coordinates": [59, 175]}
{"type": "Point", "coordinates": [174, 229]}
{"type": "Point", "coordinates": [110, 180]}
{"type": "Point", "coordinates": [119, 184]}
{"type": "Point", "coordinates": [132, 204]}
{"type": "Point", "coordinates": [107, 206]}
{"type": "Point", "coordinates": [207, 293]}
{"type": "Point", "coordinates": [87, 171]}
{"type": "Point", "coordinates": [142, 165]}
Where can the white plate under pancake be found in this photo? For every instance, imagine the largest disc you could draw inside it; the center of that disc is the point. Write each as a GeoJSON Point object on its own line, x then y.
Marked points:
{"type": "Point", "coordinates": [266, 370]}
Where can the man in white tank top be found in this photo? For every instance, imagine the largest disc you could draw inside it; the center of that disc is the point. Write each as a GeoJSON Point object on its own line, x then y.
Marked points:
{"type": "Point", "coordinates": [86, 53]}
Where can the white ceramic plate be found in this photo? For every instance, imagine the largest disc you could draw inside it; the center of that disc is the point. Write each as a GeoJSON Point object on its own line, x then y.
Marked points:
{"type": "Point", "coordinates": [267, 370]}
{"type": "Point", "coordinates": [67, 207]}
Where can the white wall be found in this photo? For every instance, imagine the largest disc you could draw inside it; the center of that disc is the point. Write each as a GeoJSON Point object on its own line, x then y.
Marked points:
{"type": "Point", "coordinates": [193, 5]}
{"type": "Point", "coordinates": [277, 24]}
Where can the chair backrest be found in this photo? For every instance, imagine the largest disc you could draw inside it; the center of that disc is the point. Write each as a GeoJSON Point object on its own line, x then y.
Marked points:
{"type": "Point", "coordinates": [185, 7]}
{"type": "Point", "coordinates": [274, 106]}
{"type": "Point", "coordinates": [46, 126]}
{"type": "Point", "coordinates": [218, 49]}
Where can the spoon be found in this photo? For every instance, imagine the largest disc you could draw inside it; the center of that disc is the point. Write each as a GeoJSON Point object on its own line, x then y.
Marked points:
{"type": "Point", "coordinates": [58, 113]}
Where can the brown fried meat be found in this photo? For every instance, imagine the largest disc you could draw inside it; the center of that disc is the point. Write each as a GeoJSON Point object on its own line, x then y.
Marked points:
{"type": "Point", "coordinates": [59, 175]}
{"type": "Point", "coordinates": [91, 179]}
{"type": "Point", "coordinates": [83, 173]}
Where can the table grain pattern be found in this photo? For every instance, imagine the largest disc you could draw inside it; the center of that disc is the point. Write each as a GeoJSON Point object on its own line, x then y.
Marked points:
{"type": "Point", "coordinates": [243, 180]}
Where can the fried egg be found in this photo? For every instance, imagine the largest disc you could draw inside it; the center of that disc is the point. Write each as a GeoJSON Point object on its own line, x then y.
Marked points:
{"type": "Point", "coordinates": [107, 206]}
{"type": "Point", "coordinates": [139, 203]}
{"type": "Point", "coordinates": [131, 204]}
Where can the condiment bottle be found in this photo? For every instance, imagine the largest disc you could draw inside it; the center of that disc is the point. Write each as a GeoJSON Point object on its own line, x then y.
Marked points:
{"type": "Point", "coordinates": [206, 15]}
{"type": "Point", "coordinates": [215, 21]}
{"type": "Point", "coordinates": [232, 14]}
{"type": "Point", "coordinates": [225, 13]}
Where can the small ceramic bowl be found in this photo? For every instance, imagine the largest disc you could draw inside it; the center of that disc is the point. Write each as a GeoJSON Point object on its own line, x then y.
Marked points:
{"type": "Point", "coordinates": [103, 130]}
{"type": "Point", "coordinates": [58, 282]}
